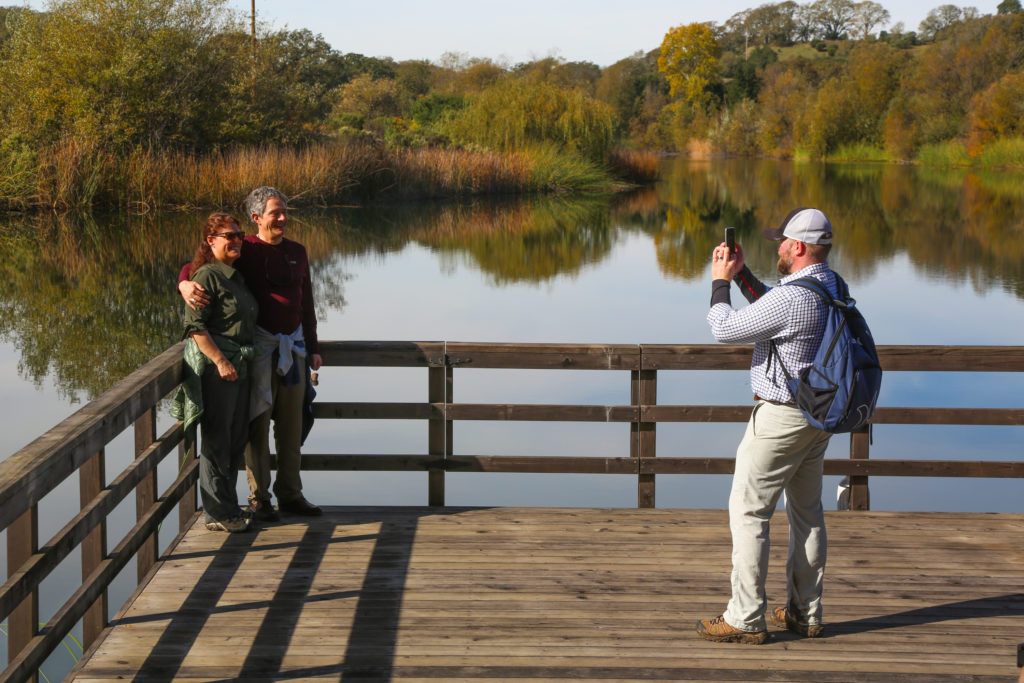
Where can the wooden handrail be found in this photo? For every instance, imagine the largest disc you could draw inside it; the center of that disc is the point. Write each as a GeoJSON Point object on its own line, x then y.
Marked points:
{"type": "Point", "coordinates": [78, 443]}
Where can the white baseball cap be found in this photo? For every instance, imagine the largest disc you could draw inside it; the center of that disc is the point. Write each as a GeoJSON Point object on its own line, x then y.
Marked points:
{"type": "Point", "coordinates": [809, 226]}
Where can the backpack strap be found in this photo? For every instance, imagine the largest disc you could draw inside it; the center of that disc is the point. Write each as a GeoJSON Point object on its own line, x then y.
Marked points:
{"type": "Point", "coordinates": [818, 287]}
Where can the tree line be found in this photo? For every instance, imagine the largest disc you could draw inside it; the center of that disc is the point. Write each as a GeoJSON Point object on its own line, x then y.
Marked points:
{"type": "Point", "coordinates": [783, 79]}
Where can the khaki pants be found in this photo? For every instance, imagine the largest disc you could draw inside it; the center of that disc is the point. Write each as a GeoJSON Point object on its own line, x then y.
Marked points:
{"type": "Point", "coordinates": [286, 411]}
{"type": "Point", "coordinates": [779, 452]}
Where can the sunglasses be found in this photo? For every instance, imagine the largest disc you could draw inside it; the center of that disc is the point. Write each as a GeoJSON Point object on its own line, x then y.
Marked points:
{"type": "Point", "coordinates": [229, 235]}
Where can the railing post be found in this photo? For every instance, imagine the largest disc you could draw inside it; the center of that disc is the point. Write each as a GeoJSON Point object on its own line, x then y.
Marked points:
{"type": "Point", "coordinates": [91, 480]}
{"type": "Point", "coordinates": [643, 392]}
{"type": "Point", "coordinates": [23, 621]}
{"type": "Point", "coordinates": [145, 494]}
{"type": "Point", "coordinates": [860, 498]}
{"type": "Point", "coordinates": [187, 504]}
{"type": "Point", "coordinates": [439, 435]}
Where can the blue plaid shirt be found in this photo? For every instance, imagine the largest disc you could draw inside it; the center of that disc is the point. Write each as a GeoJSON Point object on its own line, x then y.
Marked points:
{"type": "Point", "coordinates": [792, 316]}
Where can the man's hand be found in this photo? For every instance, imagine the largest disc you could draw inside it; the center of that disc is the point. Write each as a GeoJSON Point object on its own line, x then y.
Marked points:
{"type": "Point", "coordinates": [725, 265]}
{"type": "Point", "coordinates": [315, 361]}
{"type": "Point", "coordinates": [193, 294]}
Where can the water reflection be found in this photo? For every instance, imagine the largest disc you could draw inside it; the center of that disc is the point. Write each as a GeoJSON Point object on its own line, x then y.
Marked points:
{"type": "Point", "coordinates": [89, 300]}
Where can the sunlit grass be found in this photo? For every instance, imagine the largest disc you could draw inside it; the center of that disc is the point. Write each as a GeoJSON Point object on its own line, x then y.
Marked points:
{"type": "Point", "coordinates": [860, 151]}
{"type": "Point", "coordinates": [948, 154]}
{"type": "Point", "coordinates": [1003, 153]}
{"type": "Point", "coordinates": [72, 175]}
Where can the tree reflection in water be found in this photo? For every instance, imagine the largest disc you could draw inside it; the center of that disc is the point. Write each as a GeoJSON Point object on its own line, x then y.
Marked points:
{"type": "Point", "coordinates": [89, 299]}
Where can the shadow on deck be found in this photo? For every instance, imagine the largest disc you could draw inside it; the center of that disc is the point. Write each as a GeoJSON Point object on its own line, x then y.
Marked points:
{"type": "Point", "coordinates": [540, 593]}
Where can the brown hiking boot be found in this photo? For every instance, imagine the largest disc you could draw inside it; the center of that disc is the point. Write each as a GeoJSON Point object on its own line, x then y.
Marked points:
{"type": "Point", "coordinates": [782, 618]}
{"type": "Point", "coordinates": [720, 632]}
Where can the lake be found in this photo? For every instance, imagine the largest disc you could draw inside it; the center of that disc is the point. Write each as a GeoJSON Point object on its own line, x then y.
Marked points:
{"type": "Point", "coordinates": [932, 258]}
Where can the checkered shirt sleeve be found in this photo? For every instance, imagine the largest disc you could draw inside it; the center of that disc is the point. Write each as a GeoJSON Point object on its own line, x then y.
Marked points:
{"type": "Point", "coordinates": [792, 316]}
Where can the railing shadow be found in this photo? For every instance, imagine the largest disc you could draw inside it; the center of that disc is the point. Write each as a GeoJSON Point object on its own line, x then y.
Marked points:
{"type": "Point", "coordinates": [167, 655]}
{"type": "Point", "coordinates": [370, 650]}
{"type": "Point", "coordinates": [1001, 605]}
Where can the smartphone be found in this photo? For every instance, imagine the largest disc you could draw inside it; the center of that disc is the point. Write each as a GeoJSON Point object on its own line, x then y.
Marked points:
{"type": "Point", "coordinates": [730, 239]}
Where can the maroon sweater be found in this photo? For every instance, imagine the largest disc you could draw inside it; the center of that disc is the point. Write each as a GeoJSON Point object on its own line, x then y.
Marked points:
{"type": "Point", "coordinates": [278, 276]}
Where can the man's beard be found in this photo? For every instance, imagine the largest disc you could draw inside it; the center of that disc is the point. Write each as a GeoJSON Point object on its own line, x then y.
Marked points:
{"type": "Point", "coordinates": [785, 264]}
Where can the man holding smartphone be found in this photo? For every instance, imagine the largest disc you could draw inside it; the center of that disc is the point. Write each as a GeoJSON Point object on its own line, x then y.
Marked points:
{"type": "Point", "coordinates": [780, 451]}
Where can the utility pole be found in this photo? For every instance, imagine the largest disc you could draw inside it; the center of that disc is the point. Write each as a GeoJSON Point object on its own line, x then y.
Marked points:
{"type": "Point", "coordinates": [252, 79]}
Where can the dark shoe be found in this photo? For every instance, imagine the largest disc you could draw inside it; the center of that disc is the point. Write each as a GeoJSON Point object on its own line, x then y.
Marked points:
{"type": "Point", "coordinates": [300, 506]}
{"type": "Point", "coordinates": [263, 511]}
{"type": "Point", "coordinates": [782, 618]}
{"type": "Point", "coordinates": [720, 632]}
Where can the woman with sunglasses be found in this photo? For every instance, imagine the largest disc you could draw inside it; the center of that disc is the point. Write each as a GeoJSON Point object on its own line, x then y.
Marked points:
{"type": "Point", "coordinates": [218, 352]}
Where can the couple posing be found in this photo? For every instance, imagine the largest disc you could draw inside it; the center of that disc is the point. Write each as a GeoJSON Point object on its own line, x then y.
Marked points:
{"type": "Point", "coordinates": [252, 330]}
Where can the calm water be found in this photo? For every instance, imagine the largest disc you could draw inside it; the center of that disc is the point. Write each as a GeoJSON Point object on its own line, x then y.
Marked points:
{"type": "Point", "coordinates": [932, 258]}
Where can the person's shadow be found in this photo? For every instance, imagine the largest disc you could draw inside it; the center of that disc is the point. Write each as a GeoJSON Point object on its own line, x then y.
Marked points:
{"type": "Point", "coordinates": [996, 606]}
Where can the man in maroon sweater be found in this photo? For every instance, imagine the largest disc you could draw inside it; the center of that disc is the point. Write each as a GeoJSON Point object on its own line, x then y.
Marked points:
{"type": "Point", "coordinates": [276, 270]}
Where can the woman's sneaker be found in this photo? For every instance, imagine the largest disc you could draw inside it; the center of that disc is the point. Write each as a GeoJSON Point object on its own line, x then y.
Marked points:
{"type": "Point", "coordinates": [783, 618]}
{"type": "Point", "coordinates": [235, 525]}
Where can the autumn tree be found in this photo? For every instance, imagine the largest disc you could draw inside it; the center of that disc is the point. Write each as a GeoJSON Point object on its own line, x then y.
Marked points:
{"type": "Point", "coordinates": [996, 112]}
{"type": "Point", "coordinates": [623, 85]}
{"type": "Point", "coordinates": [514, 113]}
{"type": "Point", "coordinates": [867, 16]}
{"type": "Point", "coordinates": [118, 71]}
{"type": "Point", "coordinates": [833, 18]}
{"type": "Point", "coordinates": [939, 19]}
{"type": "Point", "coordinates": [689, 61]}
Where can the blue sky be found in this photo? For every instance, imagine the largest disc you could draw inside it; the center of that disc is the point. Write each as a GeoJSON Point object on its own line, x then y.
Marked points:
{"type": "Point", "coordinates": [593, 30]}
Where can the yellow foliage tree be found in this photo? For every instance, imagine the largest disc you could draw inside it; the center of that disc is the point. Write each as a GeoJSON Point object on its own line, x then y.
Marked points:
{"type": "Point", "coordinates": [689, 60]}
{"type": "Point", "coordinates": [996, 112]}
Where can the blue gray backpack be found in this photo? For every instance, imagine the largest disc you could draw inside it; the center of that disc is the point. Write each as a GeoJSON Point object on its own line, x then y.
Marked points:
{"type": "Point", "coordinates": [838, 391]}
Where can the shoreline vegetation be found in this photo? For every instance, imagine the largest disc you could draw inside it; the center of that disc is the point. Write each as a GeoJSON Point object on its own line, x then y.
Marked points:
{"type": "Point", "coordinates": [149, 105]}
{"type": "Point", "coordinates": [72, 176]}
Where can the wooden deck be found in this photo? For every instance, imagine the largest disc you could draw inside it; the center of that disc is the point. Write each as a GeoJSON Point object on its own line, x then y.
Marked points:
{"type": "Point", "coordinates": [534, 593]}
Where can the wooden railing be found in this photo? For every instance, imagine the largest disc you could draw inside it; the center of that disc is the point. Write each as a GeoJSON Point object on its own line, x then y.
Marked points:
{"type": "Point", "coordinates": [77, 445]}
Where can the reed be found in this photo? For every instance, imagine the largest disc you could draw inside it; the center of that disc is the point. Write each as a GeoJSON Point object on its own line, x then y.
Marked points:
{"type": "Point", "coordinates": [74, 175]}
{"type": "Point", "coordinates": [637, 165]}
{"type": "Point", "coordinates": [859, 151]}
{"type": "Point", "coordinates": [1003, 153]}
{"type": "Point", "coordinates": [949, 154]}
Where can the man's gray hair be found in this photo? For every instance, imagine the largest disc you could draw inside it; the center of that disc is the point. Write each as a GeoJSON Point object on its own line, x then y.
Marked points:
{"type": "Point", "coordinates": [256, 202]}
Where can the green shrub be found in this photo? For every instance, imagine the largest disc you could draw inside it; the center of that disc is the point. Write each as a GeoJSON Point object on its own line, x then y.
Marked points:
{"type": "Point", "coordinates": [944, 154]}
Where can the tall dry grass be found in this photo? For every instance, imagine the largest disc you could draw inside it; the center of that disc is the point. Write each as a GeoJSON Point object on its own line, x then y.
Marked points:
{"type": "Point", "coordinates": [637, 165]}
{"type": "Point", "coordinates": [73, 175]}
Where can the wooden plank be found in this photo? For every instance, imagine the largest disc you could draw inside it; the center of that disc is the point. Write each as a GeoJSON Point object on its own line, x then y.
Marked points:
{"type": "Point", "coordinates": [93, 478]}
{"type": "Point", "coordinates": [677, 413]}
{"type": "Point", "coordinates": [145, 492]}
{"type": "Point", "coordinates": [993, 469]}
{"type": "Point", "coordinates": [860, 496]}
{"type": "Point", "coordinates": [383, 353]}
{"type": "Point", "coordinates": [32, 472]}
{"type": "Point", "coordinates": [892, 358]}
{"type": "Point", "coordinates": [952, 358]}
{"type": "Point", "coordinates": [544, 356]}
{"type": "Point", "coordinates": [23, 620]}
{"type": "Point", "coordinates": [439, 431]}
{"type": "Point", "coordinates": [696, 356]}
{"type": "Point", "coordinates": [542, 594]}
{"type": "Point", "coordinates": [379, 411]}
{"type": "Point", "coordinates": [541, 412]}
{"type": "Point", "coordinates": [643, 434]}
{"type": "Point", "coordinates": [948, 416]}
